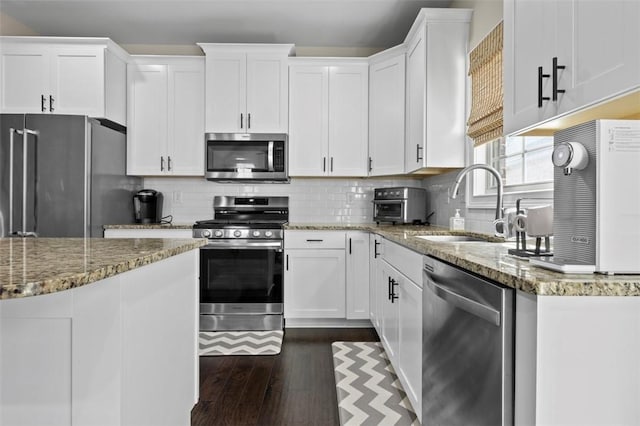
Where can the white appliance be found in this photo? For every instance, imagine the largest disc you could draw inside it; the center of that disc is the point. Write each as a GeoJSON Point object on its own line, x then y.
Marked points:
{"type": "Point", "coordinates": [596, 217]}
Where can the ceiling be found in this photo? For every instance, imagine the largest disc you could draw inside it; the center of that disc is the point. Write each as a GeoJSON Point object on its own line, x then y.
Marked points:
{"type": "Point", "coordinates": [326, 23]}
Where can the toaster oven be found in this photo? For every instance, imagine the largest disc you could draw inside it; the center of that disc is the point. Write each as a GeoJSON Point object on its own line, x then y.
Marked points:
{"type": "Point", "coordinates": [400, 205]}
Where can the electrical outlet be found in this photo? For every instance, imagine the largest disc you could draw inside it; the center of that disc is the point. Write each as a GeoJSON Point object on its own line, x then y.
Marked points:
{"type": "Point", "coordinates": [177, 197]}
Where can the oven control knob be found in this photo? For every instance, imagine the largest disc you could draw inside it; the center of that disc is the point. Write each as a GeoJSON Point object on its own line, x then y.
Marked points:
{"type": "Point", "coordinates": [218, 233]}
{"type": "Point", "coordinates": [237, 233]}
{"type": "Point", "coordinates": [206, 233]}
{"type": "Point", "coordinates": [268, 234]}
{"type": "Point", "coordinates": [256, 233]}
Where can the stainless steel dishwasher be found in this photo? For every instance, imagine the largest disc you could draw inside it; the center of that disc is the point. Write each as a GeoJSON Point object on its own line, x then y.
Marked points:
{"type": "Point", "coordinates": [467, 348]}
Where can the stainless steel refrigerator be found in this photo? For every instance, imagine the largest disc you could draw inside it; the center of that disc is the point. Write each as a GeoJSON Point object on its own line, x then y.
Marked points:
{"type": "Point", "coordinates": [62, 176]}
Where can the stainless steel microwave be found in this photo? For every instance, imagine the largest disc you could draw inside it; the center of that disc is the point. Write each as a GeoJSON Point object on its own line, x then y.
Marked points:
{"type": "Point", "coordinates": [246, 156]}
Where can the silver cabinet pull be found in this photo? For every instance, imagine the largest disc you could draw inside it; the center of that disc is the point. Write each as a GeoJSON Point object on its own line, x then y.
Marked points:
{"type": "Point", "coordinates": [43, 100]}
{"type": "Point", "coordinates": [241, 121]}
{"type": "Point", "coordinates": [418, 148]}
{"type": "Point", "coordinates": [161, 163]}
{"type": "Point", "coordinates": [370, 164]}
{"type": "Point", "coordinates": [51, 99]}
{"type": "Point", "coordinates": [168, 162]}
{"type": "Point", "coordinates": [332, 164]}
{"type": "Point", "coordinates": [324, 164]}
{"type": "Point", "coordinates": [248, 120]}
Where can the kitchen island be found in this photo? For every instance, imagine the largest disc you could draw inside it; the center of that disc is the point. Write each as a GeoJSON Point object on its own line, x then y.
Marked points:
{"type": "Point", "coordinates": [577, 336]}
{"type": "Point", "coordinates": [97, 331]}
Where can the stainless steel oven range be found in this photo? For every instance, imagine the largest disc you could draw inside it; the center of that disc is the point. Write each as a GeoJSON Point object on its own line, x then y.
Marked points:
{"type": "Point", "coordinates": [241, 267]}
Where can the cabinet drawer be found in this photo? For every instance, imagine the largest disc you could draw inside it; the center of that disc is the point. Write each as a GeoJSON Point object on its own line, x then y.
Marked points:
{"type": "Point", "coordinates": [314, 240]}
{"type": "Point", "coordinates": [404, 260]}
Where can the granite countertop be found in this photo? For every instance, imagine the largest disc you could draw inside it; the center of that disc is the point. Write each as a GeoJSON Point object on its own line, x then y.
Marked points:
{"type": "Point", "coordinates": [34, 266]}
{"type": "Point", "coordinates": [150, 226]}
{"type": "Point", "coordinates": [491, 260]}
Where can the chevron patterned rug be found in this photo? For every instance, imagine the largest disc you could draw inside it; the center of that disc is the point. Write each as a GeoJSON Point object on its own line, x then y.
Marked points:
{"type": "Point", "coordinates": [240, 342]}
{"type": "Point", "coordinates": [369, 392]}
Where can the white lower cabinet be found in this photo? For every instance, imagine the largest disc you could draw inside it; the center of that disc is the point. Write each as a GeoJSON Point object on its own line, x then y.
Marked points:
{"type": "Point", "coordinates": [119, 351]}
{"type": "Point", "coordinates": [410, 341]}
{"type": "Point", "coordinates": [314, 276]}
{"type": "Point", "coordinates": [314, 283]}
{"type": "Point", "coordinates": [389, 312]}
{"type": "Point", "coordinates": [375, 281]}
{"type": "Point", "coordinates": [400, 316]}
{"type": "Point", "coordinates": [357, 274]}
{"type": "Point", "coordinates": [326, 275]}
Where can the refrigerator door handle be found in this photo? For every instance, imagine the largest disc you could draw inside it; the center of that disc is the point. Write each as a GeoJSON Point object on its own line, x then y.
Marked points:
{"type": "Point", "coordinates": [25, 138]}
{"type": "Point", "coordinates": [12, 131]}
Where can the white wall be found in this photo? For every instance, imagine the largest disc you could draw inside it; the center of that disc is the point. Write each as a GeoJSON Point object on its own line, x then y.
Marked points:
{"type": "Point", "coordinates": [486, 15]}
{"type": "Point", "coordinates": [11, 27]}
{"type": "Point", "coordinates": [321, 200]}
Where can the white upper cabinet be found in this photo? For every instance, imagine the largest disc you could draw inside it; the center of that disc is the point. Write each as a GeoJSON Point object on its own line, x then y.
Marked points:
{"type": "Point", "coordinates": [246, 87]}
{"type": "Point", "coordinates": [328, 117]}
{"type": "Point", "coordinates": [51, 75]}
{"type": "Point", "coordinates": [166, 116]}
{"type": "Point", "coordinates": [309, 121]}
{"type": "Point", "coordinates": [386, 112]}
{"type": "Point", "coordinates": [436, 62]}
{"type": "Point", "coordinates": [563, 55]}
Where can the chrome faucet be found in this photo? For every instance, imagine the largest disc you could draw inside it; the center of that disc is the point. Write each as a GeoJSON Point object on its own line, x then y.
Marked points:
{"type": "Point", "coordinates": [495, 173]}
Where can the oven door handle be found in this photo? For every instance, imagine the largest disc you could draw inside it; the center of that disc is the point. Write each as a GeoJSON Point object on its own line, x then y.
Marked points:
{"type": "Point", "coordinates": [388, 201]}
{"type": "Point", "coordinates": [249, 245]}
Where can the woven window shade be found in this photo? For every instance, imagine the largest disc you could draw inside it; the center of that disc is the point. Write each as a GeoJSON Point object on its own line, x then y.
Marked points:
{"type": "Point", "coordinates": [485, 119]}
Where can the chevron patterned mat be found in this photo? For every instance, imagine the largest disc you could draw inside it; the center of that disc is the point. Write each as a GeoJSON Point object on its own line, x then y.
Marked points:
{"type": "Point", "coordinates": [240, 342]}
{"type": "Point", "coordinates": [369, 392]}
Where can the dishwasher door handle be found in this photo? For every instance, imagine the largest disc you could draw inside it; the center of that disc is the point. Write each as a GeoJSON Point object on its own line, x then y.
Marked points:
{"type": "Point", "coordinates": [485, 312]}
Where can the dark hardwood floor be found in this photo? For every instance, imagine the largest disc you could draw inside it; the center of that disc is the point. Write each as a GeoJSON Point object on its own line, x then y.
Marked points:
{"type": "Point", "coordinates": [296, 387]}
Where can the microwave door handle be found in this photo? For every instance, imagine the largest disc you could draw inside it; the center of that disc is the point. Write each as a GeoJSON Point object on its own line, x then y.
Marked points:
{"type": "Point", "coordinates": [270, 157]}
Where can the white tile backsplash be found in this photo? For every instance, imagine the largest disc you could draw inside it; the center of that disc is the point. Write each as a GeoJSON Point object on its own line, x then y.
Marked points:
{"type": "Point", "coordinates": [320, 200]}
{"type": "Point", "coordinates": [438, 189]}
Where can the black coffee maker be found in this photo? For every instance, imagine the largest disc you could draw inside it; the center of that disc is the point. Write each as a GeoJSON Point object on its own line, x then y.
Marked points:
{"type": "Point", "coordinates": [147, 206]}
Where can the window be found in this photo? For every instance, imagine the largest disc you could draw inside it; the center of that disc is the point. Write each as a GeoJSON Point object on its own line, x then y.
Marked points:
{"type": "Point", "coordinates": [524, 163]}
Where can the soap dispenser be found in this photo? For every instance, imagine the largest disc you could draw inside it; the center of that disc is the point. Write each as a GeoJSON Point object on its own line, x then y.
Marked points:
{"type": "Point", "coordinates": [456, 223]}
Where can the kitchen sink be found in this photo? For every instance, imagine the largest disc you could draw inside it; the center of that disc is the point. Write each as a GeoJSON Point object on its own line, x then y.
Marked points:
{"type": "Point", "coordinates": [451, 238]}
